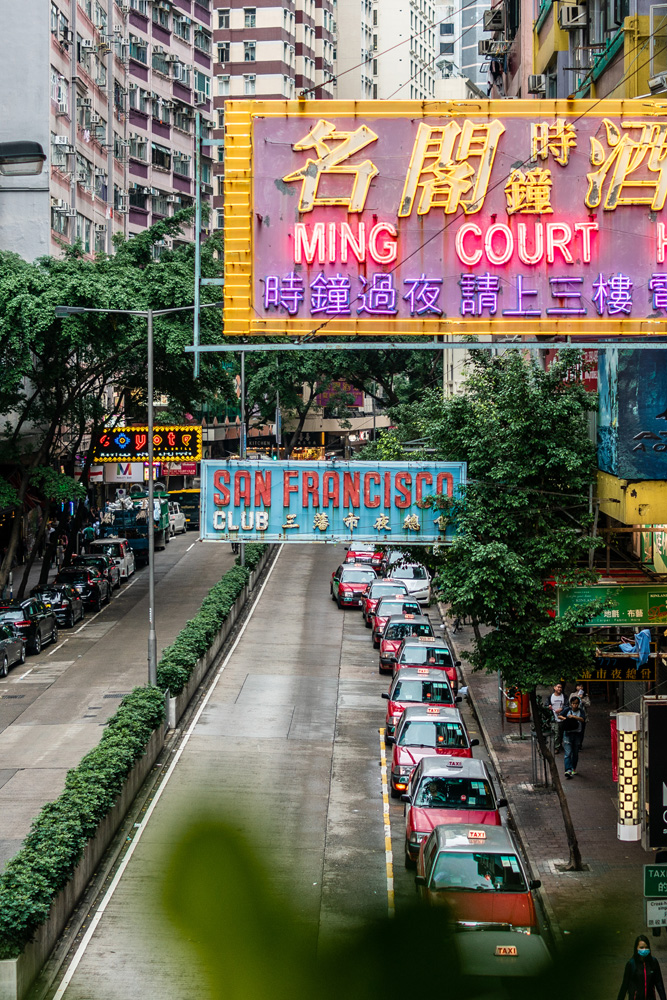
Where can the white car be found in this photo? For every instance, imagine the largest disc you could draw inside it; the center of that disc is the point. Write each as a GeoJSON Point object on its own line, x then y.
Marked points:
{"type": "Point", "coordinates": [416, 579]}
{"type": "Point", "coordinates": [118, 549]}
{"type": "Point", "coordinates": [177, 521]}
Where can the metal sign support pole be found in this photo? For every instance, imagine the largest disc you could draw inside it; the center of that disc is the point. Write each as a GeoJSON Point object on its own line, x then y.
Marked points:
{"type": "Point", "coordinates": [197, 236]}
{"type": "Point", "coordinates": [152, 636]}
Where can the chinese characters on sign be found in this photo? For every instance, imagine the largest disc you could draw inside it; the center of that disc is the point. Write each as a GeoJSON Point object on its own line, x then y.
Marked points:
{"type": "Point", "coordinates": [631, 605]}
{"type": "Point", "coordinates": [328, 501]}
{"type": "Point", "coordinates": [391, 219]}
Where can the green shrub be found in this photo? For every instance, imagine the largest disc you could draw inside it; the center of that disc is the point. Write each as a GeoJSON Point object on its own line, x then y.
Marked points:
{"type": "Point", "coordinates": [253, 553]}
{"type": "Point", "coordinates": [57, 838]}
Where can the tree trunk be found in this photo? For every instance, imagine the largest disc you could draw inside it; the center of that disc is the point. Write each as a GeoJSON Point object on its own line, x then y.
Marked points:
{"type": "Point", "coordinates": [574, 864]}
{"type": "Point", "coordinates": [33, 554]}
{"type": "Point", "coordinates": [478, 634]}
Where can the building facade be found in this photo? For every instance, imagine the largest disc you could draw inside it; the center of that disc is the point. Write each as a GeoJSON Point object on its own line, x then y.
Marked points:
{"type": "Point", "coordinates": [405, 49]}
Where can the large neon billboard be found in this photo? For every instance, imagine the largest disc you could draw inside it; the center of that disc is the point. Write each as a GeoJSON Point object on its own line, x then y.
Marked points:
{"type": "Point", "coordinates": [461, 217]}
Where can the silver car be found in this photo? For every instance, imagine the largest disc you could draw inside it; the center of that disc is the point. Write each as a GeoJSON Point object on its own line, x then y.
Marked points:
{"type": "Point", "coordinates": [416, 578]}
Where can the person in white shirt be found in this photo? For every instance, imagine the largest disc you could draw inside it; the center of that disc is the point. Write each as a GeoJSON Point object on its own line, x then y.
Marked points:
{"type": "Point", "coordinates": [556, 704]}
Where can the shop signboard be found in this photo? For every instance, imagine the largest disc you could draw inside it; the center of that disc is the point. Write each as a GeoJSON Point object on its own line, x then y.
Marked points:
{"type": "Point", "coordinates": [130, 444]}
{"type": "Point", "coordinates": [311, 501]}
{"type": "Point", "coordinates": [627, 605]}
{"type": "Point", "coordinates": [481, 217]}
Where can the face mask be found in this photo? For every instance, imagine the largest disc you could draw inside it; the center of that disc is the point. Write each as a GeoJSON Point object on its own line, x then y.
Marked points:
{"type": "Point", "coordinates": [643, 952]}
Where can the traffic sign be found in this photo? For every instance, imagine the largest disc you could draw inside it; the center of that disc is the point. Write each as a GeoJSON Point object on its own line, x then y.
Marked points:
{"type": "Point", "coordinates": [656, 912]}
{"type": "Point", "coordinates": [655, 881]}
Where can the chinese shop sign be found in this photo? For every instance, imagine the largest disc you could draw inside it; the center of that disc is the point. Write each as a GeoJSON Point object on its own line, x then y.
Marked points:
{"type": "Point", "coordinates": [379, 502]}
{"type": "Point", "coordinates": [130, 444]}
{"type": "Point", "coordinates": [642, 605]}
{"type": "Point", "coordinates": [402, 218]}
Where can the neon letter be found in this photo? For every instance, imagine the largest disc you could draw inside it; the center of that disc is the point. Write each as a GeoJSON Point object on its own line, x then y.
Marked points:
{"type": "Point", "coordinates": [492, 256]}
{"type": "Point", "coordinates": [303, 247]}
{"type": "Point", "coordinates": [538, 252]}
{"type": "Point", "coordinates": [356, 244]}
{"type": "Point", "coordinates": [389, 253]}
{"type": "Point", "coordinates": [662, 240]}
{"type": "Point", "coordinates": [586, 228]}
{"type": "Point", "coordinates": [468, 258]}
{"type": "Point", "coordinates": [558, 242]}
{"type": "Point", "coordinates": [242, 488]}
{"type": "Point", "coordinates": [289, 486]}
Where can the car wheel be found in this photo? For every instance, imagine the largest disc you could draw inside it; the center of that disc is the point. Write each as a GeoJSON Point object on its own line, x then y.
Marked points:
{"type": "Point", "coordinates": [118, 582]}
{"type": "Point", "coordinates": [409, 863]}
{"type": "Point", "coordinates": [392, 791]}
{"type": "Point", "coordinates": [37, 645]}
{"type": "Point", "coordinates": [69, 623]}
{"type": "Point", "coordinates": [367, 623]}
{"type": "Point", "coordinates": [4, 666]}
{"type": "Point", "coordinates": [54, 634]}
{"type": "Point", "coordinates": [338, 602]}
{"type": "Point", "coordinates": [376, 644]}
{"type": "Point", "coordinates": [22, 656]}
{"type": "Point", "coordinates": [98, 604]}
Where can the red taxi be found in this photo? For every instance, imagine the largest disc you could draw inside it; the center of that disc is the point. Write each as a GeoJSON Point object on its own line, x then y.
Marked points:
{"type": "Point", "coordinates": [478, 873]}
{"type": "Point", "coordinates": [426, 731]}
{"type": "Point", "coordinates": [429, 652]}
{"type": "Point", "coordinates": [348, 583]}
{"type": "Point", "coordinates": [398, 628]}
{"type": "Point", "coordinates": [447, 790]}
{"type": "Point", "coordinates": [377, 590]}
{"type": "Point", "coordinates": [388, 606]}
{"type": "Point", "coordinates": [416, 686]}
{"type": "Point", "coordinates": [361, 553]}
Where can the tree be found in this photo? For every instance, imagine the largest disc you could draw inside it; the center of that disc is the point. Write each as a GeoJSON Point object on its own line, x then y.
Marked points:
{"type": "Point", "coordinates": [523, 521]}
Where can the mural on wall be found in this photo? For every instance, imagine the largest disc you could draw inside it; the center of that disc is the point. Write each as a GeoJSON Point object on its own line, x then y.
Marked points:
{"type": "Point", "coordinates": [632, 428]}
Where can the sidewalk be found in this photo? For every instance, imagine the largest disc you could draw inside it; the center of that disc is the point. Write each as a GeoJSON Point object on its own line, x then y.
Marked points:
{"type": "Point", "coordinates": [610, 892]}
{"type": "Point", "coordinates": [16, 576]}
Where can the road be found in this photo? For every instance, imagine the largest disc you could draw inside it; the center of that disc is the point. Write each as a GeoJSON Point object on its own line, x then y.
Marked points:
{"type": "Point", "coordinates": [287, 747]}
{"type": "Point", "coordinates": [52, 709]}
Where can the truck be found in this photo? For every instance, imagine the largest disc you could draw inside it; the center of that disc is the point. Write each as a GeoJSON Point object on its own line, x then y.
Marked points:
{"type": "Point", "coordinates": [127, 517]}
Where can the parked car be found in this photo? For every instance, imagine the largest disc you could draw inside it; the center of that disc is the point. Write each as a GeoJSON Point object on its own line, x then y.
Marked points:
{"type": "Point", "coordinates": [12, 647]}
{"type": "Point", "coordinates": [398, 628]}
{"type": "Point", "coordinates": [426, 731]}
{"type": "Point", "coordinates": [362, 552]}
{"type": "Point", "coordinates": [416, 686]}
{"type": "Point", "coordinates": [63, 600]}
{"type": "Point", "coordinates": [117, 549]}
{"type": "Point", "coordinates": [376, 590]}
{"type": "Point", "coordinates": [93, 588]}
{"type": "Point", "coordinates": [177, 521]}
{"type": "Point", "coordinates": [416, 579]}
{"type": "Point", "coordinates": [348, 583]}
{"type": "Point", "coordinates": [36, 623]}
{"type": "Point", "coordinates": [388, 606]}
{"type": "Point", "coordinates": [426, 652]}
{"type": "Point", "coordinates": [106, 566]}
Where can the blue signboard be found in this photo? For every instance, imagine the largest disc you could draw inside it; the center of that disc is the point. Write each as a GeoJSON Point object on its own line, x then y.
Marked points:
{"type": "Point", "coordinates": [379, 502]}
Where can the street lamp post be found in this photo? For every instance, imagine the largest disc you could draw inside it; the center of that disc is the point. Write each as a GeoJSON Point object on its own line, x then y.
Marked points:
{"type": "Point", "coordinates": [147, 314]}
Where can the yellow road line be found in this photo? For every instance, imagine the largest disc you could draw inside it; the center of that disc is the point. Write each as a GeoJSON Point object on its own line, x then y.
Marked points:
{"type": "Point", "coordinates": [389, 856]}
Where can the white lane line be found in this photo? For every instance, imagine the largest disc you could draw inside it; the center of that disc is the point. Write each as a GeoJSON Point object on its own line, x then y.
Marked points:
{"type": "Point", "coordinates": [74, 964]}
{"type": "Point", "coordinates": [56, 648]}
{"type": "Point", "coordinates": [388, 853]}
{"type": "Point", "coordinates": [125, 589]}
{"type": "Point", "coordinates": [26, 673]}
{"type": "Point", "coordinates": [190, 547]}
{"type": "Point", "coordinates": [88, 621]}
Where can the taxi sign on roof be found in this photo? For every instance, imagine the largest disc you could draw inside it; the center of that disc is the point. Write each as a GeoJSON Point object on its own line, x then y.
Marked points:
{"type": "Point", "coordinates": [432, 711]}
{"type": "Point", "coordinates": [503, 950]}
{"type": "Point", "coordinates": [422, 670]}
{"type": "Point", "coordinates": [454, 763]}
{"type": "Point", "coordinates": [408, 616]}
{"type": "Point", "coordinates": [426, 638]}
{"type": "Point", "coordinates": [476, 834]}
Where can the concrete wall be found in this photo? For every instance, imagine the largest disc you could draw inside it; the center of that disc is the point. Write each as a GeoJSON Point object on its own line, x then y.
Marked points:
{"type": "Point", "coordinates": [24, 83]}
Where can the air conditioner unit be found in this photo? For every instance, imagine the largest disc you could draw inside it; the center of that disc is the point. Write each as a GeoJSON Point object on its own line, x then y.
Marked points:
{"type": "Point", "coordinates": [484, 47]}
{"type": "Point", "coordinates": [158, 50]}
{"type": "Point", "coordinates": [59, 205]}
{"type": "Point", "coordinates": [200, 97]}
{"type": "Point", "coordinates": [61, 140]}
{"type": "Point", "coordinates": [100, 227]}
{"type": "Point", "coordinates": [173, 199]}
{"type": "Point", "coordinates": [63, 108]}
{"type": "Point", "coordinates": [88, 44]}
{"type": "Point", "coordinates": [70, 214]}
{"type": "Point", "coordinates": [537, 84]}
{"type": "Point", "coordinates": [163, 5]}
{"type": "Point", "coordinates": [67, 35]}
{"type": "Point", "coordinates": [82, 177]}
{"type": "Point", "coordinates": [85, 102]}
{"type": "Point", "coordinates": [494, 19]}
{"type": "Point", "coordinates": [125, 8]}
{"type": "Point", "coordinates": [172, 58]}
{"type": "Point", "coordinates": [572, 17]}
{"type": "Point", "coordinates": [94, 119]}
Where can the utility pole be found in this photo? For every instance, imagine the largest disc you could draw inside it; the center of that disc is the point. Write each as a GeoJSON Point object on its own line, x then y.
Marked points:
{"type": "Point", "coordinates": [242, 441]}
{"type": "Point", "coordinates": [152, 636]}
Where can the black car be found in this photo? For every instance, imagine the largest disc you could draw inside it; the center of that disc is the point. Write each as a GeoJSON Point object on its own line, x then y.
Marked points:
{"type": "Point", "coordinates": [63, 600]}
{"type": "Point", "coordinates": [12, 648]}
{"type": "Point", "coordinates": [93, 588]}
{"type": "Point", "coordinates": [106, 566]}
{"type": "Point", "coordinates": [36, 623]}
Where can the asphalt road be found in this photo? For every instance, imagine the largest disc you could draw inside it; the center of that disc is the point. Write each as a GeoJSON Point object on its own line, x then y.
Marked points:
{"type": "Point", "coordinates": [53, 708]}
{"type": "Point", "coordinates": [287, 748]}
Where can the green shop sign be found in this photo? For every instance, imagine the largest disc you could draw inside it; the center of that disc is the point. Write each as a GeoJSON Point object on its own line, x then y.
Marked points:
{"type": "Point", "coordinates": [627, 605]}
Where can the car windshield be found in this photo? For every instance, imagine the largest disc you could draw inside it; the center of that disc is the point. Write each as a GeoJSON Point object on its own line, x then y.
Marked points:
{"type": "Point", "coordinates": [378, 589]}
{"type": "Point", "coordinates": [94, 560]}
{"type": "Point", "coordinates": [357, 575]}
{"type": "Point", "coordinates": [387, 608]}
{"type": "Point", "coordinates": [422, 691]}
{"type": "Point", "coordinates": [429, 733]}
{"type": "Point", "coordinates": [409, 573]}
{"type": "Point", "coordinates": [77, 575]}
{"type": "Point", "coordinates": [454, 793]}
{"type": "Point", "coordinates": [14, 615]}
{"type": "Point", "coordinates": [426, 656]}
{"type": "Point", "coordinates": [402, 629]}
{"type": "Point", "coordinates": [474, 872]}
{"type": "Point", "coordinates": [112, 550]}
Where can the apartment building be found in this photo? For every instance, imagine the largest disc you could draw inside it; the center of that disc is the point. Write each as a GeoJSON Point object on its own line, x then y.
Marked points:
{"type": "Point", "coordinates": [404, 49]}
{"type": "Point", "coordinates": [357, 45]}
{"type": "Point", "coordinates": [111, 93]}
{"type": "Point", "coordinates": [460, 26]}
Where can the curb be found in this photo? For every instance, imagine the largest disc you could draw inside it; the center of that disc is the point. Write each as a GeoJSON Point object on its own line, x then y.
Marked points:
{"type": "Point", "coordinates": [551, 920]}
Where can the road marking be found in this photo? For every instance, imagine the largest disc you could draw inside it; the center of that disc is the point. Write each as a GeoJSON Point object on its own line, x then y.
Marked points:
{"type": "Point", "coordinates": [74, 964]}
{"type": "Point", "coordinates": [88, 621]}
{"type": "Point", "coordinates": [31, 670]}
{"type": "Point", "coordinates": [190, 547]}
{"type": "Point", "coordinates": [56, 648]}
{"type": "Point", "coordinates": [388, 853]}
{"type": "Point", "coordinates": [125, 589]}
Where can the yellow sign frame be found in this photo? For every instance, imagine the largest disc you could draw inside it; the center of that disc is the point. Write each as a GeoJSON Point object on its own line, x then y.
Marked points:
{"type": "Point", "coordinates": [239, 317]}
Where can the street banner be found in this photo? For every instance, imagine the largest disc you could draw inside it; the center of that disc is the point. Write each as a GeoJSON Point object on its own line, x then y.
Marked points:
{"type": "Point", "coordinates": [385, 503]}
{"type": "Point", "coordinates": [634, 605]}
{"type": "Point", "coordinates": [483, 217]}
{"type": "Point", "coordinates": [130, 444]}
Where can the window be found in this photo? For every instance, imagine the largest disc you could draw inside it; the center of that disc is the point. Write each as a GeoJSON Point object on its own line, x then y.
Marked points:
{"type": "Point", "coordinates": [202, 84]}
{"type": "Point", "coordinates": [138, 49]}
{"type": "Point", "coordinates": [140, 5]}
{"type": "Point", "coordinates": [446, 29]}
{"type": "Point", "coordinates": [249, 17]}
{"type": "Point", "coordinates": [223, 52]}
{"type": "Point", "coordinates": [138, 197]}
{"type": "Point", "coordinates": [59, 90]}
{"type": "Point", "coordinates": [446, 48]}
{"type": "Point", "coordinates": [221, 154]}
{"type": "Point", "coordinates": [54, 19]}
{"type": "Point", "coordinates": [202, 40]}
{"type": "Point", "coordinates": [223, 17]}
{"type": "Point", "coordinates": [84, 172]}
{"type": "Point", "coordinates": [182, 118]}
{"type": "Point", "coordinates": [83, 229]}
{"type": "Point", "coordinates": [220, 219]}
{"type": "Point", "coordinates": [223, 91]}
{"type": "Point", "coordinates": [221, 118]}
{"type": "Point", "coordinates": [220, 181]}
{"type": "Point", "coordinates": [182, 26]}
{"type": "Point", "coordinates": [249, 51]}
{"type": "Point", "coordinates": [159, 61]}
{"type": "Point", "coordinates": [159, 203]}
{"type": "Point", "coordinates": [87, 7]}
{"type": "Point", "coordinates": [161, 16]}
{"type": "Point", "coordinates": [58, 154]}
{"type": "Point", "coordinates": [160, 157]}
{"type": "Point", "coordinates": [59, 222]}
{"type": "Point", "coordinates": [375, 67]}
{"type": "Point", "coordinates": [182, 164]}
{"type": "Point", "coordinates": [249, 85]}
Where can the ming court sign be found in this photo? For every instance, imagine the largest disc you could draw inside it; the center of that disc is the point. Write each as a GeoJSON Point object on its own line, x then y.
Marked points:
{"type": "Point", "coordinates": [480, 217]}
{"type": "Point", "coordinates": [379, 502]}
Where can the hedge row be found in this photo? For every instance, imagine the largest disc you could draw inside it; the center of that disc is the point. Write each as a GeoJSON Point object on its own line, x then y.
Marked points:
{"type": "Point", "coordinates": [179, 660]}
{"type": "Point", "coordinates": [57, 838]}
{"type": "Point", "coordinates": [55, 844]}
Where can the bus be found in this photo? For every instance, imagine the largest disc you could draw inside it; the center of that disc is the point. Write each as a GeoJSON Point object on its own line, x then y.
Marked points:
{"type": "Point", "coordinates": [189, 501]}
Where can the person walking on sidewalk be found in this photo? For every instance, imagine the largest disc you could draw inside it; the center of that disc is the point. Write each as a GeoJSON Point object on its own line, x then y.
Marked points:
{"type": "Point", "coordinates": [585, 703]}
{"type": "Point", "coordinates": [574, 719]}
{"type": "Point", "coordinates": [642, 974]}
{"type": "Point", "coordinates": [556, 704]}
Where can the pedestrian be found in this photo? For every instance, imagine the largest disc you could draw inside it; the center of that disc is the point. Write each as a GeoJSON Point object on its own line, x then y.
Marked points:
{"type": "Point", "coordinates": [556, 704]}
{"type": "Point", "coordinates": [585, 702]}
{"type": "Point", "coordinates": [642, 975]}
{"type": "Point", "coordinates": [88, 536]}
{"type": "Point", "coordinates": [573, 718]}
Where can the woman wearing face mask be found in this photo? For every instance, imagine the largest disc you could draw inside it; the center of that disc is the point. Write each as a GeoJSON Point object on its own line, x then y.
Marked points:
{"type": "Point", "coordinates": [642, 974]}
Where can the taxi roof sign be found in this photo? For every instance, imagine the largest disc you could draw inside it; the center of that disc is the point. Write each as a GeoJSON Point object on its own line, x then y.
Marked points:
{"type": "Point", "coordinates": [476, 834]}
{"type": "Point", "coordinates": [503, 950]}
{"type": "Point", "coordinates": [431, 710]}
{"type": "Point", "coordinates": [454, 763]}
{"type": "Point", "coordinates": [423, 670]}
{"type": "Point", "coordinates": [426, 638]}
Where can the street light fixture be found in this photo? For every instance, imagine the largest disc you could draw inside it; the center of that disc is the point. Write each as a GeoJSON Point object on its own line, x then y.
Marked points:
{"type": "Point", "coordinates": [21, 158]}
{"type": "Point", "coordinates": [148, 314]}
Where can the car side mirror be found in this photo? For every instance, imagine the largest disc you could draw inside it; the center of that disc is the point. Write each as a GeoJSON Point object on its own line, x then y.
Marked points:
{"type": "Point", "coordinates": [390, 739]}
{"type": "Point", "coordinates": [458, 699]}
{"type": "Point", "coordinates": [535, 883]}
{"type": "Point", "coordinates": [406, 798]}
{"type": "Point", "coordinates": [501, 802]}
{"type": "Point", "coordinates": [385, 695]}
{"type": "Point", "coordinates": [457, 663]}
{"type": "Point", "coordinates": [420, 880]}
{"type": "Point", "coordinates": [474, 743]}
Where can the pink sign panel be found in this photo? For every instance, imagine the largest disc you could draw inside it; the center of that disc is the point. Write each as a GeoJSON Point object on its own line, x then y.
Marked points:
{"type": "Point", "coordinates": [334, 391]}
